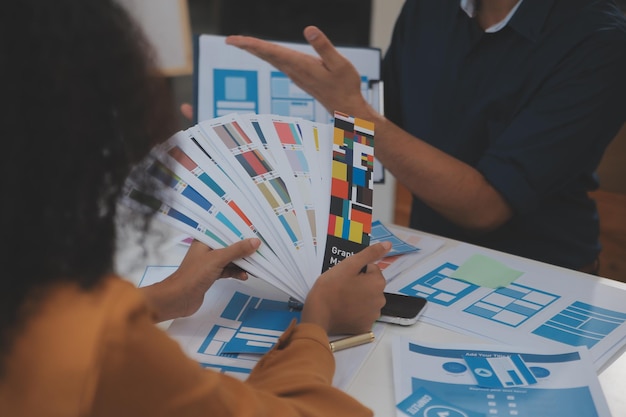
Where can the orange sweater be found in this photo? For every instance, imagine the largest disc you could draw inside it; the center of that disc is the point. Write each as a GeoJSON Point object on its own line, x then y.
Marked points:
{"type": "Point", "coordinates": [98, 353]}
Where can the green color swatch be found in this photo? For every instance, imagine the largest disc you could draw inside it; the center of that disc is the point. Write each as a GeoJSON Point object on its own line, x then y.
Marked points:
{"type": "Point", "coordinates": [486, 272]}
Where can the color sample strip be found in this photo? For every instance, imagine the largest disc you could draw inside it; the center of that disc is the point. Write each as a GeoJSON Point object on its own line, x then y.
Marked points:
{"type": "Point", "coordinates": [182, 158]}
{"type": "Point", "coordinates": [261, 171]}
{"type": "Point", "coordinates": [350, 211]}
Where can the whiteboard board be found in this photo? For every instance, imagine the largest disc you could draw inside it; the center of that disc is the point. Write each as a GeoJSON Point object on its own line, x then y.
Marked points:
{"type": "Point", "coordinates": [167, 27]}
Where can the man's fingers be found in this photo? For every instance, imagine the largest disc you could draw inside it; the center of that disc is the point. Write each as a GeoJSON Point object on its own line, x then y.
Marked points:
{"type": "Point", "coordinates": [279, 55]}
{"type": "Point", "coordinates": [260, 48]}
{"type": "Point", "coordinates": [323, 46]}
{"type": "Point", "coordinates": [186, 110]}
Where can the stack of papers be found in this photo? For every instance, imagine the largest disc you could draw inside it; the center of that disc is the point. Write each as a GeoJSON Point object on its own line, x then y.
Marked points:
{"type": "Point", "coordinates": [459, 380]}
{"type": "Point", "coordinates": [241, 321]}
{"type": "Point", "coordinates": [304, 188]}
{"type": "Point", "coordinates": [569, 309]}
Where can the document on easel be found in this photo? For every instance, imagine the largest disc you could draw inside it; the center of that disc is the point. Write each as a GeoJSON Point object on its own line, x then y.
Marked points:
{"type": "Point", "coordinates": [228, 79]}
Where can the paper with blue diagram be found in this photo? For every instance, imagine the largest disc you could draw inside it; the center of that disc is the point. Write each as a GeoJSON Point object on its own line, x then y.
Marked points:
{"type": "Point", "coordinates": [461, 380]}
{"type": "Point", "coordinates": [543, 307]}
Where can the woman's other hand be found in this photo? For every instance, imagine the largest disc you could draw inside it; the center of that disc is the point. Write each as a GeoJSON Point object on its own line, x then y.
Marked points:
{"type": "Point", "coordinates": [345, 300]}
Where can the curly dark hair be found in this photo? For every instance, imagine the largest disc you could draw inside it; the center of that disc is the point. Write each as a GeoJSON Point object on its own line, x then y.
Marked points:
{"type": "Point", "coordinates": [83, 102]}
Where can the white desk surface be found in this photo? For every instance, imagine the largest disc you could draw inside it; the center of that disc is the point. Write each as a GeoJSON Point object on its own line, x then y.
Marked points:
{"type": "Point", "coordinates": [373, 384]}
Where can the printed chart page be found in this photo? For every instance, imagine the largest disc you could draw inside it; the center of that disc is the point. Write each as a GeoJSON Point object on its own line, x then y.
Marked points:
{"type": "Point", "coordinates": [456, 380]}
{"type": "Point", "coordinates": [240, 321]}
{"type": "Point", "coordinates": [530, 304]}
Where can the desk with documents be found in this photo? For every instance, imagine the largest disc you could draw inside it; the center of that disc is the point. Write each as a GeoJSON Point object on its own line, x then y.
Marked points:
{"type": "Point", "coordinates": [373, 382]}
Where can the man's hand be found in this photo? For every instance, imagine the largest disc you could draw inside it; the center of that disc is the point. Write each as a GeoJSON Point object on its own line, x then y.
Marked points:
{"type": "Point", "coordinates": [330, 78]}
{"type": "Point", "coordinates": [186, 110]}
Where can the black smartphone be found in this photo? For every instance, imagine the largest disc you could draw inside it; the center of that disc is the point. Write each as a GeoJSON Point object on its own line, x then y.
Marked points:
{"type": "Point", "coordinates": [402, 309]}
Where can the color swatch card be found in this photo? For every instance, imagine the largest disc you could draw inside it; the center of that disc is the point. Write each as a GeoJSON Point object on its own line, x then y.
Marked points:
{"type": "Point", "coordinates": [303, 188]}
{"type": "Point", "coordinates": [351, 192]}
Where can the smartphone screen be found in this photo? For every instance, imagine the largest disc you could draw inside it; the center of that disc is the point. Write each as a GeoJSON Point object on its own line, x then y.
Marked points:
{"type": "Point", "coordinates": [402, 309]}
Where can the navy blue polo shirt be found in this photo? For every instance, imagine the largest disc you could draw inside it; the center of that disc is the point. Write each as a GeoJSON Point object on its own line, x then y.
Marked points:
{"type": "Point", "coordinates": [532, 107]}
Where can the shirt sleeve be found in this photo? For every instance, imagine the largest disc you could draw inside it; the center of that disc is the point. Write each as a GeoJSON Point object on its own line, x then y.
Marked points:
{"type": "Point", "coordinates": [557, 139]}
{"type": "Point", "coordinates": [392, 89]}
{"type": "Point", "coordinates": [143, 372]}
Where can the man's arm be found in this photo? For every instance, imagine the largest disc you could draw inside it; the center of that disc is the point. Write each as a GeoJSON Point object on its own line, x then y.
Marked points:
{"type": "Point", "coordinates": [454, 189]}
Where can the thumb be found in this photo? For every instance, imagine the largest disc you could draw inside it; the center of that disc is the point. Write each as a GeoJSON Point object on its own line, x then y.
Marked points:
{"type": "Point", "coordinates": [236, 251]}
{"type": "Point", "coordinates": [323, 46]}
{"type": "Point", "coordinates": [371, 254]}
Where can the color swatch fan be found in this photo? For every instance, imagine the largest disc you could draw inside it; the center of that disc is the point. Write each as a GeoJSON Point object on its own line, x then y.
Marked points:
{"type": "Point", "coordinates": [303, 188]}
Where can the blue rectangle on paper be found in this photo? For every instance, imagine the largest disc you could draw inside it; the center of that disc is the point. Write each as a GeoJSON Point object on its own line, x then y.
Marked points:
{"type": "Point", "coordinates": [600, 322]}
{"type": "Point", "coordinates": [211, 184]}
{"type": "Point", "coordinates": [241, 158]}
{"type": "Point", "coordinates": [523, 369]}
{"type": "Point", "coordinates": [235, 306]}
{"type": "Point", "coordinates": [576, 315]}
{"type": "Point", "coordinates": [208, 339]}
{"type": "Point", "coordinates": [422, 403]}
{"type": "Point", "coordinates": [599, 326]}
{"type": "Point", "coordinates": [516, 308]}
{"type": "Point", "coordinates": [516, 379]}
{"type": "Point", "coordinates": [260, 330]}
{"type": "Point", "coordinates": [197, 198]}
{"type": "Point", "coordinates": [235, 88]}
{"type": "Point", "coordinates": [269, 319]}
{"type": "Point", "coordinates": [482, 371]}
{"type": "Point", "coordinates": [288, 228]}
{"type": "Point", "coordinates": [238, 345]}
{"type": "Point", "coordinates": [345, 233]}
{"type": "Point", "coordinates": [567, 321]}
{"type": "Point", "coordinates": [175, 214]}
{"type": "Point", "coordinates": [509, 292]}
{"type": "Point", "coordinates": [481, 312]}
{"type": "Point", "coordinates": [303, 162]}
{"type": "Point", "coordinates": [598, 310]}
{"type": "Point", "coordinates": [273, 305]}
{"type": "Point", "coordinates": [565, 336]}
{"type": "Point", "coordinates": [359, 177]}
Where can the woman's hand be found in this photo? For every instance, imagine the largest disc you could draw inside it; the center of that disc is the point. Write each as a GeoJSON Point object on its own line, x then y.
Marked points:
{"type": "Point", "coordinates": [345, 300]}
{"type": "Point", "coordinates": [182, 293]}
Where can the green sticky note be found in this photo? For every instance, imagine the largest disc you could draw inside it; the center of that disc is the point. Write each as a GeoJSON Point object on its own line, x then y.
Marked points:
{"type": "Point", "coordinates": [486, 272]}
